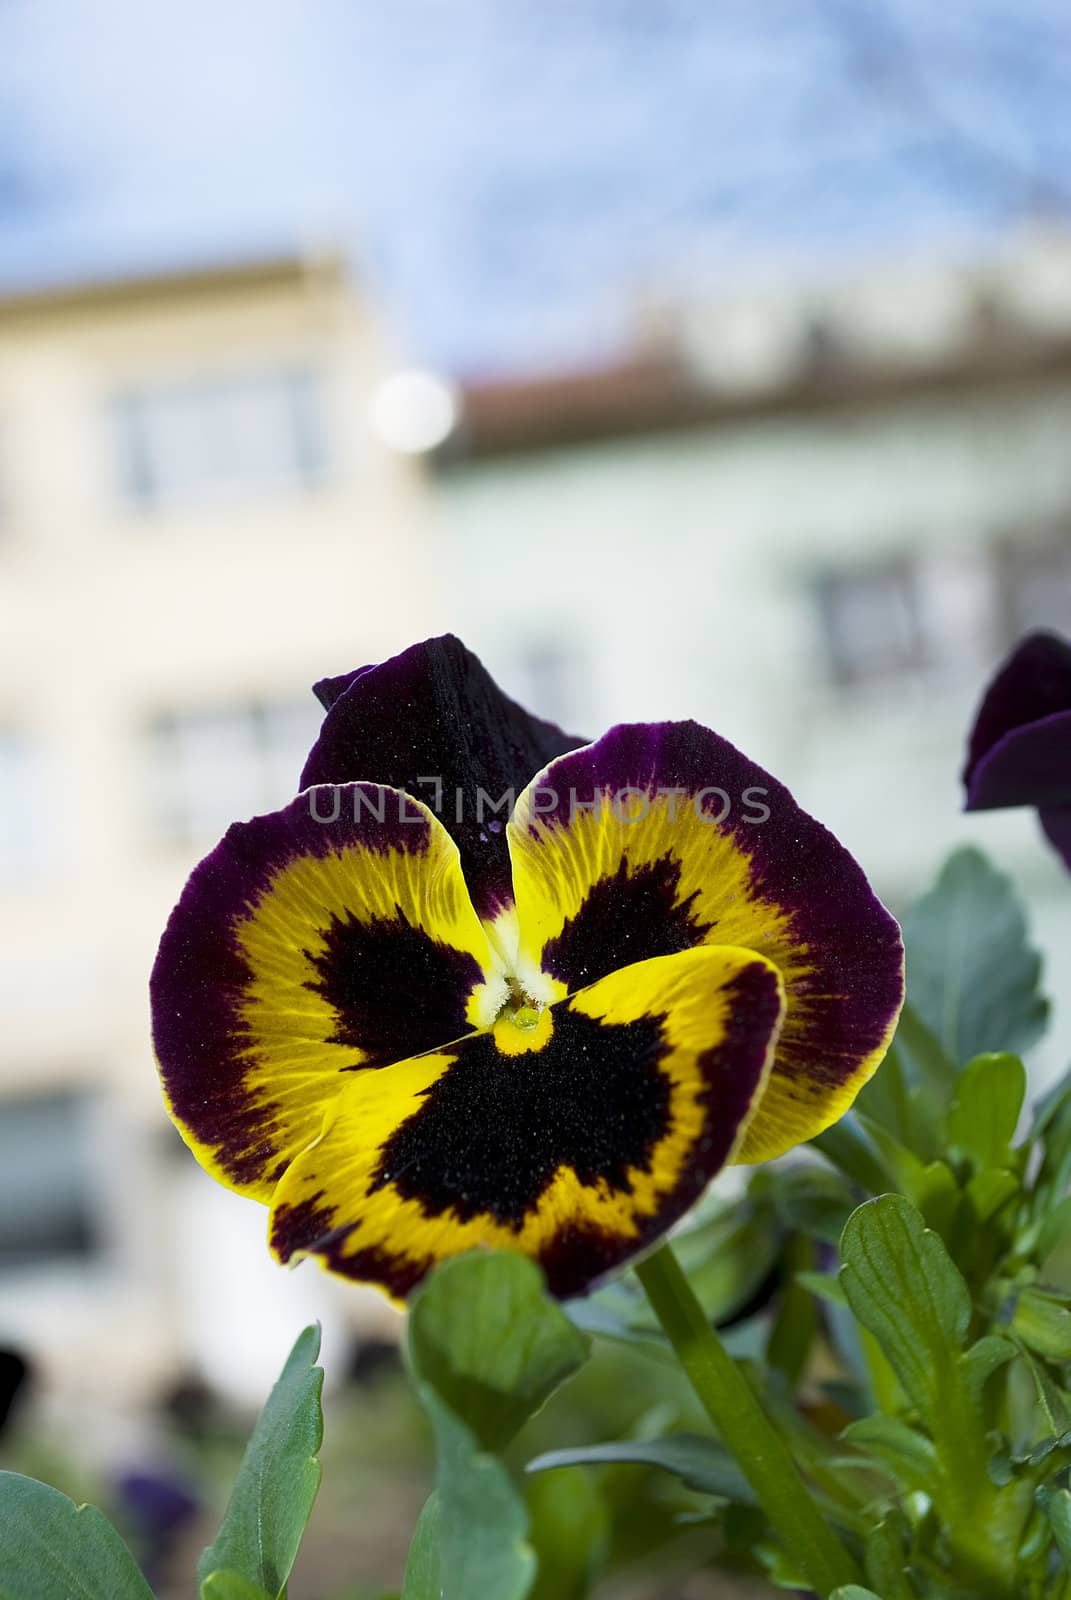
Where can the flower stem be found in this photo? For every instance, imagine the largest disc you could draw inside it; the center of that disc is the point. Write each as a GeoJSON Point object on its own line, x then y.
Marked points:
{"type": "Point", "coordinates": [732, 1406]}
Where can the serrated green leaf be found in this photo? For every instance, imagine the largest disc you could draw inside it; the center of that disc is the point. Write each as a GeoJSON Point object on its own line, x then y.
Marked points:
{"type": "Point", "coordinates": [52, 1549]}
{"type": "Point", "coordinates": [224, 1585]}
{"type": "Point", "coordinates": [903, 1285]}
{"type": "Point", "coordinates": [483, 1525]}
{"type": "Point", "coordinates": [277, 1481]}
{"type": "Point", "coordinates": [422, 1580]}
{"type": "Point", "coordinates": [486, 1335]}
{"type": "Point", "coordinates": [700, 1463]}
{"type": "Point", "coordinates": [971, 975]}
{"type": "Point", "coordinates": [985, 1109]}
{"type": "Point", "coordinates": [908, 1454]}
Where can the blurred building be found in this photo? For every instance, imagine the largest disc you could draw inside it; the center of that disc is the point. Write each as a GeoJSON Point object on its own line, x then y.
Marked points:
{"type": "Point", "coordinates": [814, 516]}
{"type": "Point", "coordinates": [198, 518]}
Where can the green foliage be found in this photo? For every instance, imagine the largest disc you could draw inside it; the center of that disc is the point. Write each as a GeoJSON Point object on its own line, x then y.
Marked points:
{"type": "Point", "coordinates": [921, 1383]}
{"type": "Point", "coordinates": [51, 1549]}
{"type": "Point", "coordinates": [422, 1580]}
{"type": "Point", "coordinates": [903, 1285]}
{"type": "Point", "coordinates": [276, 1485]}
{"type": "Point", "coordinates": [487, 1346]}
{"type": "Point", "coordinates": [971, 975]}
{"type": "Point", "coordinates": [226, 1585]}
{"type": "Point", "coordinates": [570, 1532]}
{"type": "Point", "coordinates": [700, 1463]}
{"type": "Point", "coordinates": [491, 1343]}
{"type": "Point", "coordinates": [483, 1525]}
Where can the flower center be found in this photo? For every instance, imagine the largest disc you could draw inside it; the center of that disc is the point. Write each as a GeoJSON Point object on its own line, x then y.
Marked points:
{"type": "Point", "coordinates": [525, 1016]}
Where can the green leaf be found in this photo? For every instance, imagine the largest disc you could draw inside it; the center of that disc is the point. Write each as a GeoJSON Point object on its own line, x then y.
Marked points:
{"type": "Point", "coordinates": [728, 1259]}
{"type": "Point", "coordinates": [1051, 1398]}
{"type": "Point", "coordinates": [483, 1525]}
{"type": "Point", "coordinates": [824, 1285]}
{"type": "Point", "coordinates": [989, 1192]}
{"type": "Point", "coordinates": [927, 1066]}
{"type": "Point", "coordinates": [852, 1591]}
{"type": "Point", "coordinates": [903, 1285]}
{"type": "Point", "coordinates": [570, 1530]}
{"type": "Point", "coordinates": [277, 1481]}
{"type": "Point", "coordinates": [907, 1170]}
{"type": "Point", "coordinates": [813, 1199]}
{"type": "Point", "coordinates": [846, 1147]}
{"type": "Point", "coordinates": [226, 1585]}
{"type": "Point", "coordinates": [971, 975]}
{"type": "Point", "coordinates": [908, 1454]}
{"type": "Point", "coordinates": [984, 1113]}
{"type": "Point", "coordinates": [422, 1567]}
{"type": "Point", "coordinates": [886, 1557]}
{"type": "Point", "coordinates": [1055, 1229]}
{"type": "Point", "coordinates": [984, 1358]}
{"type": "Point", "coordinates": [1057, 1507]}
{"type": "Point", "coordinates": [792, 1334]}
{"type": "Point", "coordinates": [700, 1463]}
{"type": "Point", "coordinates": [52, 1549]}
{"type": "Point", "coordinates": [490, 1340]}
{"type": "Point", "coordinates": [1043, 1322]}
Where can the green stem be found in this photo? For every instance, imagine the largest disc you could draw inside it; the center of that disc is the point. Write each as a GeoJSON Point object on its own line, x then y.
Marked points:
{"type": "Point", "coordinates": [733, 1408]}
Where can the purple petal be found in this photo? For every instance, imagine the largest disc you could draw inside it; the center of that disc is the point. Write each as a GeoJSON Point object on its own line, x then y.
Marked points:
{"type": "Point", "coordinates": [1033, 684]}
{"type": "Point", "coordinates": [433, 722]}
{"type": "Point", "coordinates": [328, 690]}
{"type": "Point", "coordinates": [1056, 822]}
{"type": "Point", "coordinates": [305, 946]}
{"type": "Point", "coordinates": [661, 837]}
{"type": "Point", "coordinates": [1029, 766]}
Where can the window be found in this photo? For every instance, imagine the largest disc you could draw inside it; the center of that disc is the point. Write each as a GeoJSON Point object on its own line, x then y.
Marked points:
{"type": "Point", "coordinates": [208, 768]}
{"type": "Point", "coordinates": [872, 623]}
{"type": "Point", "coordinates": [212, 439]}
{"type": "Point", "coordinates": [47, 1201]}
{"type": "Point", "coordinates": [1035, 583]}
{"type": "Point", "coordinates": [22, 809]}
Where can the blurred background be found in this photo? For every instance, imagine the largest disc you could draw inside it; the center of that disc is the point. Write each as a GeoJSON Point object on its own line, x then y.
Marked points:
{"type": "Point", "coordinates": [686, 358]}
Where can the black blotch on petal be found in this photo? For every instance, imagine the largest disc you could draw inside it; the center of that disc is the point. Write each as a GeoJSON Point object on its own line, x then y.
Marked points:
{"type": "Point", "coordinates": [395, 989]}
{"type": "Point", "coordinates": [494, 1129]}
{"type": "Point", "coordinates": [632, 915]}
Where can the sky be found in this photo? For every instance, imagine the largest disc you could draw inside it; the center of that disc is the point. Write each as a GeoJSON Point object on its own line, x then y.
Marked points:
{"type": "Point", "coordinates": [513, 178]}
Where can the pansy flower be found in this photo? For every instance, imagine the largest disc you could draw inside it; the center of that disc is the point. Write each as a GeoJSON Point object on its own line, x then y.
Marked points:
{"type": "Point", "coordinates": [483, 983]}
{"type": "Point", "coordinates": [1020, 746]}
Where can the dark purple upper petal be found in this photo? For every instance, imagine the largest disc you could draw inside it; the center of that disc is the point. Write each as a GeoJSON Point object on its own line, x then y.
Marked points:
{"type": "Point", "coordinates": [434, 715]}
{"type": "Point", "coordinates": [1019, 751]}
{"type": "Point", "coordinates": [328, 690]}
{"type": "Point", "coordinates": [1056, 821]}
